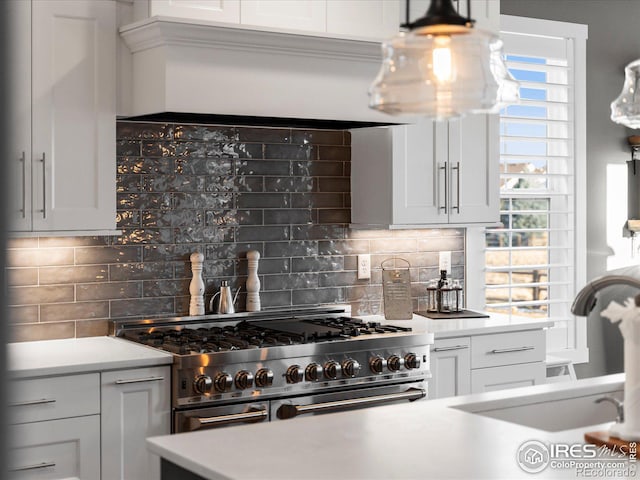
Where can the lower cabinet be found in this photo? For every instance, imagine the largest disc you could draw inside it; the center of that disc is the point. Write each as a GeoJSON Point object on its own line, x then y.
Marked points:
{"type": "Point", "coordinates": [136, 404]}
{"type": "Point", "coordinates": [484, 363]}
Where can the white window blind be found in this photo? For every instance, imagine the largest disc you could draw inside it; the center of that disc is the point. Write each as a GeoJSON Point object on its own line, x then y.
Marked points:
{"type": "Point", "coordinates": [531, 261]}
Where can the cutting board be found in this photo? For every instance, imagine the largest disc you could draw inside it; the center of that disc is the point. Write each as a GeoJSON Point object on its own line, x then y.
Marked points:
{"type": "Point", "coordinates": [460, 314]}
{"type": "Point", "coordinates": [616, 444]}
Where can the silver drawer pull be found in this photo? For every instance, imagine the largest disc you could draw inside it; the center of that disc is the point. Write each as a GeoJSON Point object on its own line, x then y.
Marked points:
{"type": "Point", "coordinates": [289, 411]}
{"type": "Point", "coordinates": [139, 380]}
{"type": "Point", "coordinates": [23, 159]}
{"type": "Point", "coordinates": [41, 401]}
{"type": "Point", "coordinates": [33, 467]}
{"type": "Point", "coordinates": [447, 349]}
{"type": "Point", "coordinates": [254, 415]}
{"type": "Point", "coordinates": [44, 186]}
{"type": "Point", "coordinates": [510, 350]}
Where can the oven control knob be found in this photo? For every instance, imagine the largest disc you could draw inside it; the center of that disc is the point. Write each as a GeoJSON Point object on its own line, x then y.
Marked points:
{"type": "Point", "coordinates": [295, 374]}
{"type": "Point", "coordinates": [411, 360]}
{"type": "Point", "coordinates": [203, 384]}
{"type": "Point", "coordinates": [264, 377]}
{"type": "Point", "coordinates": [377, 364]}
{"type": "Point", "coordinates": [244, 379]}
{"type": "Point", "coordinates": [394, 362]}
{"type": "Point", "coordinates": [313, 372]}
{"type": "Point", "coordinates": [332, 369]}
{"type": "Point", "coordinates": [223, 382]}
{"type": "Point", "coordinates": [350, 368]}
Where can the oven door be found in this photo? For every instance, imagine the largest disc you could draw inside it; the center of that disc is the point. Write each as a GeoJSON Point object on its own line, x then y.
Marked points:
{"type": "Point", "coordinates": [347, 400]}
{"type": "Point", "coordinates": [212, 417]}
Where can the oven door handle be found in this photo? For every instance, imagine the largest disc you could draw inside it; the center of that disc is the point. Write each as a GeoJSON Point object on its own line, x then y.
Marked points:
{"type": "Point", "coordinates": [289, 411]}
{"type": "Point", "coordinates": [253, 415]}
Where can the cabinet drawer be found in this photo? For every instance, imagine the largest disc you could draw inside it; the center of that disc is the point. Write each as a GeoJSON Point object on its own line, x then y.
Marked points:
{"type": "Point", "coordinates": [35, 400]}
{"type": "Point", "coordinates": [507, 348]}
{"type": "Point", "coordinates": [68, 448]}
{"type": "Point", "coordinates": [510, 376]}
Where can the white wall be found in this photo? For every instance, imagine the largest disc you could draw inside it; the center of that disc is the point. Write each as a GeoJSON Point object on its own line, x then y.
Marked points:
{"type": "Point", "coordinates": [613, 42]}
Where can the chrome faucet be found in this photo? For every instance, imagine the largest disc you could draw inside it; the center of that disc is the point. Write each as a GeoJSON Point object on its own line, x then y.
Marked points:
{"type": "Point", "coordinates": [586, 298]}
{"type": "Point", "coordinates": [619, 406]}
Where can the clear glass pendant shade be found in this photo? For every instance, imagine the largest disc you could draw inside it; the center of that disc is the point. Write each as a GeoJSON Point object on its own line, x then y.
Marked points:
{"type": "Point", "coordinates": [442, 75]}
{"type": "Point", "coordinates": [626, 108]}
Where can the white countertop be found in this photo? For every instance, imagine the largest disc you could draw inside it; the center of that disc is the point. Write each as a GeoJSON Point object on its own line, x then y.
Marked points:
{"type": "Point", "coordinates": [79, 355]}
{"type": "Point", "coordinates": [459, 327]}
{"type": "Point", "coordinates": [419, 440]}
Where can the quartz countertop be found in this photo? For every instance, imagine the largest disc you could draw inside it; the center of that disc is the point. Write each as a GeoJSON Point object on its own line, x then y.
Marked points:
{"type": "Point", "coordinates": [423, 439]}
{"type": "Point", "coordinates": [459, 327]}
{"type": "Point", "coordinates": [79, 355]}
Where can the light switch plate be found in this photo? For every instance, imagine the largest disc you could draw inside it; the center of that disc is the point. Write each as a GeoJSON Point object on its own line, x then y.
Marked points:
{"type": "Point", "coordinates": [364, 266]}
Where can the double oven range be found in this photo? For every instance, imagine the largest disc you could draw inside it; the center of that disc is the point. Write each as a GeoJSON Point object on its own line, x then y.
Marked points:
{"type": "Point", "coordinates": [278, 365]}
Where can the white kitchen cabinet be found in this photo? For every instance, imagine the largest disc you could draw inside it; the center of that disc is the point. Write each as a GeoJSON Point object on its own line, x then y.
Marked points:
{"type": "Point", "coordinates": [307, 15]}
{"type": "Point", "coordinates": [227, 11]}
{"type": "Point", "coordinates": [450, 367]}
{"type": "Point", "coordinates": [55, 431]}
{"type": "Point", "coordinates": [63, 153]}
{"type": "Point", "coordinates": [487, 362]}
{"type": "Point", "coordinates": [136, 404]}
{"type": "Point", "coordinates": [376, 19]}
{"type": "Point", "coordinates": [429, 173]}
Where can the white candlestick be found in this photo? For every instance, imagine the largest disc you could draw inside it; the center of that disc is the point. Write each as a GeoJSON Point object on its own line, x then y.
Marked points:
{"type": "Point", "coordinates": [196, 287]}
{"type": "Point", "coordinates": [253, 282]}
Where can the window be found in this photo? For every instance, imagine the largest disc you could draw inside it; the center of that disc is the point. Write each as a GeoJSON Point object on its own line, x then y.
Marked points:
{"type": "Point", "coordinates": [535, 261]}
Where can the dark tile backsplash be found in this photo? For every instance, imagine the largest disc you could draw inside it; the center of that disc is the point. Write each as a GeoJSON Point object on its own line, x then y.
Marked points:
{"type": "Point", "coordinates": [222, 191]}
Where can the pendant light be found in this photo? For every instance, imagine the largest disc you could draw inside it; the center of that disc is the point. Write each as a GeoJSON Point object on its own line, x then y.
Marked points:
{"type": "Point", "coordinates": [442, 68]}
{"type": "Point", "coordinates": [625, 109]}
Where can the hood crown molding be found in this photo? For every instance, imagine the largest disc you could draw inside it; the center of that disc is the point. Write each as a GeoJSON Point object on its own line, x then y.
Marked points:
{"type": "Point", "coordinates": [212, 68]}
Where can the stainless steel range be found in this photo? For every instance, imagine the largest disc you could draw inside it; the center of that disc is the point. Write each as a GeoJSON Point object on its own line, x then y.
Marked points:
{"type": "Point", "coordinates": [280, 364]}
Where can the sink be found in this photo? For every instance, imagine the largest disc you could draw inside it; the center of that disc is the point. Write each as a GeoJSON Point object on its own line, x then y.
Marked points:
{"type": "Point", "coordinates": [556, 408]}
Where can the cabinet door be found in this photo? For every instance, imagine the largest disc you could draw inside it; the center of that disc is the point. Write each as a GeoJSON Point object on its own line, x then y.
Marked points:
{"type": "Point", "coordinates": [474, 169]}
{"type": "Point", "coordinates": [18, 164]}
{"type": "Point", "coordinates": [309, 15]}
{"type": "Point", "coordinates": [227, 11]}
{"type": "Point", "coordinates": [450, 368]}
{"type": "Point", "coordinates": [56, 449]}
{"type": "Point", "coordinates": [377, 19]}
{"type": "Point", "coordinates": [73, 115]}
{"type": "Point", "coordinates": [510, 376]}
{"type": "Point", "coordinates": [419, 173]}
{"type": "Point", "coordinates": [135, 405]}
{"type": "Point", "coordinates": [486, 13]}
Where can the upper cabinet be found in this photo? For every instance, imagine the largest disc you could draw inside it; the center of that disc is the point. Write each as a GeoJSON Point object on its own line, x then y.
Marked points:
{"type": "Point", "coordinates": [427, 174]}
{"type": "Point", "coordinates": [62, 162]}
{"type": "Point", "coordinates": [215, 10]}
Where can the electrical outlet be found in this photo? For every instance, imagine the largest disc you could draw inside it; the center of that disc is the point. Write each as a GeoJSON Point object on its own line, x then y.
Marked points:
{"type": "Point", "coordinates": [445, 261]}
{"type": "Point", "coordinates": [364, 266]}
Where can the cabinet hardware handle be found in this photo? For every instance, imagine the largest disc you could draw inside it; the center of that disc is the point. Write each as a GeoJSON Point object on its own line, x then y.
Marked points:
{"type": "Point", "coordinates": [44, 186]}
{"type": "Point", "coordinates": [33, 467]}
{"type": "Point", "coordinates": [23, 159]}
{"type": "Point", "coordinates": [256, 415]}
{"type": "Point", "coordinates": [510, 350]}
{"type": "Point", "coordinates": [40, 401]}
{"type": "Point", "coordinates": [447, 349]}
{"type": "Point", "coordinates": [289, 411]}
{"type": "Point", "coordinates": [446, 190]}
{"type": "Point", "coordinates": [139, 380]}
{"type": "Point", "coordinates": [457, 169]}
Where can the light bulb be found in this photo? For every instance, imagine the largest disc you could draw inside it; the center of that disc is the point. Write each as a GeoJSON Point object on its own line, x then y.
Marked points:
{"type": "Point", "coordinates": [441, 57]}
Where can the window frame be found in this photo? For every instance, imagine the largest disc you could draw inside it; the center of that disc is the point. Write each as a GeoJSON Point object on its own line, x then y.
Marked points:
{"type": "Point", "coordinates": [475, 236]}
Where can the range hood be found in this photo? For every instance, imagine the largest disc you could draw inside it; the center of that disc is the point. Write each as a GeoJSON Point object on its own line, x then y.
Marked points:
{"type": "Point", "coordinates": [209, 68]}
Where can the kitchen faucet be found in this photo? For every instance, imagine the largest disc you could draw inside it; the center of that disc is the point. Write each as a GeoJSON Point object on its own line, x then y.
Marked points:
{"type": "Point", "coordinates": [586, 298]}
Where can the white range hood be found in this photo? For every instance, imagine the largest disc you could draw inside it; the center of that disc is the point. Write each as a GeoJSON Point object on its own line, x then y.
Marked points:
{"type": "Point", "coordinates": [216, 69]}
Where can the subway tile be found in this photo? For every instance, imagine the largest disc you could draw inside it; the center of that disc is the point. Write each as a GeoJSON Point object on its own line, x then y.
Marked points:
{"type": "Point", "coordinates": [269, 265]}
{"type": "Point", "coordinates": [317, 264]}
{"type": "Point", "coordinates": [76, 274]}
{"type": "Point", "coordinates": [317, 296]}
{"type": "Point", "coordinates": [136, 236]}
{"type": "Point", "coordinates": [22, 276]}
{"type": "Point", "coordinates": [286, 216]}
{"type": "Point", "coordinates": [361, 293]}
{"type": "Point", "coordinates": [215, 268]}
{"type": "Point", "coordinates": [290, 152]}
{"type": "Point", "coordinates": [173, 183]}
{"type": "Point", "coordinates": [128, 148]}
{"type": "Point", "coordinates": [317, 137]}
{"type": "Point", "coordinates": [39, 295]}
{"type": "Point", "coordinates": [140, 271]}
{"type": "Point", "coordinates": [342, 247]}
{"type": "Point", "coordinates": [48, 242]}
{"type": "Point", "coordinates": [366, 307]}
{"type": "Point", "coordinates": [262, 200]}
{"type": "Point", "coordinates": [335, 215]}
{"type": "Point", "coordinates": [156, 149]}
{"type": "Point", "coordinates": [206, 133]}
{"type": "Point", "coordinates": [58, 312]}
{"type": "Point", "coordinates": [289, 184]}
{"type": "Point", "coordinates": [202, 200]}
{"type": "Point", "coordinates": [318, 169]}
{"type": "Point", "coordinates": [299, 248]}
{"type": "Point", "coordinates": [242, 183]}
{"type": "Point", "coordinates": [316, 232]}
{"type": "Point", "coordinates": [264, 233]}
{"type": "Point", "coordinates": [24, 314]}
{"type": "Point", "coordinates": [111, 254]}
{"type": "Point", "coordinates": [232, 250]}
{"type": "Point", "coordinates": [262, 167]}
{"type": "Point", "coordinates": [146, 200]}
{"type": "Point", "coordinates": [276, 299]}
{"type": "Point", "coordinates": [92, 328]}
{"type": "Point", "coordinates": [146, 165]}
{"type": "Point", "coordinates": [128, 183]}
{"type": "Point", "coordinates": [317, 200]}
{"type": "Point", "coordinates": [35, 257]}
{"type": "Point", "coordinates": [213, 166]}
{"type": "Point", "coordinates": [204, 234]}
{"type": "Point", "coordinates": [342, 153]}
{"type": "Point", "coordinates": [164, 218]}
{"type": "Point", "coordinates": [227, 217]}
{"type": "Point", "coordinates": [165, 288]}
{"type": "Point", "coordinates": [337, 279]}
{"type": "Point", "coordinates": [143, 131]}
{"type": "Point", "coordinates": [27, 242]}
{"type": "Point", "coordinates": [41, 331]}
{"type": "Point", "coordinates": [142, 307]}
{"type": "Point", "coordinates": [396, 245]}
{"type": "Point", "coordinates": [169, 253]}
{"type": "Point", "coordinates": [293, 281]}
{"type": "Point", "coordinates": [108, 291]}
{"type": "Point", "coordinates": [334, 184]}
{"type": "Point", "coordinates": [128, 218]}
{"type": "Point", "coordinates": [264, 135]}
